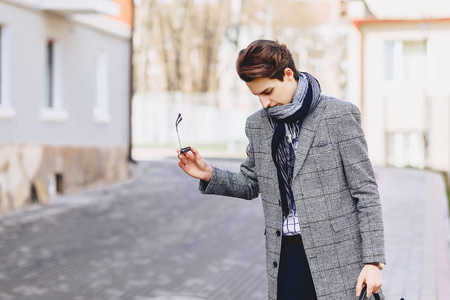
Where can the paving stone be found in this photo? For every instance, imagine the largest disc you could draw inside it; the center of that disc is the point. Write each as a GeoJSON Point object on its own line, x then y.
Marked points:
{"type": "Point", "coordinates": [155, 237]}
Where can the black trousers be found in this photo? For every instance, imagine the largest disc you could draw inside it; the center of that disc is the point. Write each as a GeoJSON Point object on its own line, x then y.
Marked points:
{"type": "Point", "coordinates": [294, 276]}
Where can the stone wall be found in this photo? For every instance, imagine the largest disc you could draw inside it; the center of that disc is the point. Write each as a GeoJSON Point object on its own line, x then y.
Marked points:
{"type": "Point", "coordinates": [33, 173]}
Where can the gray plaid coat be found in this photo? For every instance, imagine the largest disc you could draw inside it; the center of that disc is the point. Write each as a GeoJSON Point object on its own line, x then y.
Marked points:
{"type": "Point", "coordinates": [335, 193]}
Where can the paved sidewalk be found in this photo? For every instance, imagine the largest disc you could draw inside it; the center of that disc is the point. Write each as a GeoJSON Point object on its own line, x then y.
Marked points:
{"type": "Point", "coordinates": [156, 237]}
{"type": "Point", "coordinates": [415, 213]}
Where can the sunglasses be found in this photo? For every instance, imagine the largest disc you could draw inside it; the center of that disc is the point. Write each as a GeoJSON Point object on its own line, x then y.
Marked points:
{"type": "Point", "coordinates": [185, 149]}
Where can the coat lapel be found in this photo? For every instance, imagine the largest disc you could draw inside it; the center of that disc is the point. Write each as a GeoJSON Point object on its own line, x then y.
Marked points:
{"type": "Point", "coordinates": [307, 133]}
{"type": "Point", "coordinates": [267, 128]}
{"type": "Point", "coordinates": [268, 132]}
{"type": "Point", "coordinates": [306, 138]}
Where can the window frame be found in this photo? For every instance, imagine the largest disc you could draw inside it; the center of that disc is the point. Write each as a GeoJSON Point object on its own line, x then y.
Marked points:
{"type": "Point", "coordinates": [102, 100]}
{"type": "Point", "coordinates": [6, 110]}
{"type": "Point", "coordinates": [53, 108]}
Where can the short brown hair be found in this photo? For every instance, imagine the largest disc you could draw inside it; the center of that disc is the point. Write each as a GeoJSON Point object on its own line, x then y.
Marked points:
{"type": "Point", "coordinates": [265, 59]}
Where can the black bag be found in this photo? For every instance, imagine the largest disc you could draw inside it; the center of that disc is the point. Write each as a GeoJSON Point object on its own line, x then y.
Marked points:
{"type": "Point", "coordinates": [364, 294]}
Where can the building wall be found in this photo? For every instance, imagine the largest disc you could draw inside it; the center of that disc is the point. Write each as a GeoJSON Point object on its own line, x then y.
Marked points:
{"type": "Point", "coordinates": [417, 111]}
{"type": "Point", "coordinates": [75, 53]}
{"type": "Point", "coordinates": [85, 145]}
{"type": "Point", "coordinates": [126, 11]}
{"type": "Point", "coordinates": [28, 167]}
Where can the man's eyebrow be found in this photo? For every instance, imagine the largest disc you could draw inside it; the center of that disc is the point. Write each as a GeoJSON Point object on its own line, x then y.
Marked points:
{"type": "Point", "coordinates": [263, 91]}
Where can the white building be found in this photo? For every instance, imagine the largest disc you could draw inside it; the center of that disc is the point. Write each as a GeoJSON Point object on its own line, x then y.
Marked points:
{"type": "Point", "coordinates": [64, 97]}
{"type": "Point", "coordinates": [399, 79]}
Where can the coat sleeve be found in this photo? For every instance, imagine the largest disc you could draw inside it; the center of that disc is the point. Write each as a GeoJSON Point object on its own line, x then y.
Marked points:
{"type": "Point", "coordinates": [243, 184]}
{"type": "Point", "coordinates": [361, 182]}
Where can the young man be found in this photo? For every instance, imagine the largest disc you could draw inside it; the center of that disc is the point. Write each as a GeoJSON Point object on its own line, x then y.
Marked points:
{"type": "Point", "coordinates": [307, 157]}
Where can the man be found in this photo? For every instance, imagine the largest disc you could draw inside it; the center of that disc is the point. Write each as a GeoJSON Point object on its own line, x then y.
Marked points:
{"type": "Point", "coordinates": [307, 157]}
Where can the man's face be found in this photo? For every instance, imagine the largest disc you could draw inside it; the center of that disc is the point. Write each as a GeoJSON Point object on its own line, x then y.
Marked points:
{"type": "Point", "coordinates": [273, 92]}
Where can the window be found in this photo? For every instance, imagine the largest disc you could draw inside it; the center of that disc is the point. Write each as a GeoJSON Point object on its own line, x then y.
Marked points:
{"type": "Point", "coordinates": [53, 109]}
{"type": "Point", "coordinates": [101, 109]}
{"type": "Point", "coordinates": [55, 184]}
{"type": "Point", "coordinates": [6, 111]}
{"type": "Point", "coordinates": [59, 183]}
{"type": "Point", "coordinates": [405, 60]}
{"type": "Point", "coordinates": [34, 194]}
{"type": "Point", "coordinates": [1, 198]}
{"type": "Point", "coordinates": [406, 149]}
{"type": "Point", "coordinates": [389, 65]}
{"type": "Point", "coordinates": [50, 71]}
{"type": "Point", "coordinates": [1, 66]}
{"type": "Point", "coordinates": [414, 60]}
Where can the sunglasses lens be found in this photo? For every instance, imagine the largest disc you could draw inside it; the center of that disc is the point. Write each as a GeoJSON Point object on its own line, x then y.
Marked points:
{"type": "Point", "coordinates": [178, 119]}
{"type": "Point", "coordinates": [185, 149]}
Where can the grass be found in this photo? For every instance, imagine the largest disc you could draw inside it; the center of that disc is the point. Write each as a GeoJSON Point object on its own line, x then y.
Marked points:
{"type": "Point", "coordinates": [447, 185]}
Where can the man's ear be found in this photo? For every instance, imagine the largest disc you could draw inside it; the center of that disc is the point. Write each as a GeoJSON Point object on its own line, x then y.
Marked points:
{"type": "Point", "coordinates": [289, 73]}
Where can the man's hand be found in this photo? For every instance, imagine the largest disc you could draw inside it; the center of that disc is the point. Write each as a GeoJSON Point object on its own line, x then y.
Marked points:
{"type": "Point", "coordinates": [194, 165]}
{"type": "Point", "coordinates": [371, 276]}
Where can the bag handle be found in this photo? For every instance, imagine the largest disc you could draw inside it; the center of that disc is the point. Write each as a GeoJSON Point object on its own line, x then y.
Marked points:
{"type": "Point", "coordinates": [364, 294]}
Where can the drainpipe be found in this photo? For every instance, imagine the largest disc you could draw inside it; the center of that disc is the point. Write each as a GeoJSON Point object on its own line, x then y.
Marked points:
{"type": "Point", "coordinates": [131, 86]}
{"type": "Point", "coordinates": [361, 32]}
{"type": "Point", "coordinates": [357, 25]}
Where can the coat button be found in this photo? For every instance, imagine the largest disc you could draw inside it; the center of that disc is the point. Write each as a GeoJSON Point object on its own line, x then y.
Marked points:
{"type": "Point", "coordinates": [278, 233]}
{"type": "Point", "coordinates": [275, 264]}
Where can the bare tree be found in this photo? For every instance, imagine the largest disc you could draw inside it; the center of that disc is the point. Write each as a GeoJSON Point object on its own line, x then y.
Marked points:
{"type": "Point", "coordinates": [186, 36]}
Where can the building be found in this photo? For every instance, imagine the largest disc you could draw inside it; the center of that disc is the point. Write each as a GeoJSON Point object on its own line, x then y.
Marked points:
{"type": "Point", "coordinates": [399, 79]}
{"type": "Point", "coordinates": [64, 97]}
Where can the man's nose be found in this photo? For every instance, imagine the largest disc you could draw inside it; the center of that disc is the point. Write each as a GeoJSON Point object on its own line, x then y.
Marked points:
{"type": "Point", "coordinates": [265, 102]}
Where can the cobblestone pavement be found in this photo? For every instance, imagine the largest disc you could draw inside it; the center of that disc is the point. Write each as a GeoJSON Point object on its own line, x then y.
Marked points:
{"type": "Point", "coordinates": [156, 237]}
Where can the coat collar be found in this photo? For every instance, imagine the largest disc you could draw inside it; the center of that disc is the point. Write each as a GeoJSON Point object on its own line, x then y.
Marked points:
{"type": "Point", "coordinates": [306, 137]}
{"type": "Point", "coordinates": [307, 134]}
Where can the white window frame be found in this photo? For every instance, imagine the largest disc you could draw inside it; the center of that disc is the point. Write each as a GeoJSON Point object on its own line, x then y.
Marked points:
{"type": "Point", "coordinates": [101, 109]}
{"type": "Point", "coordinates": [6, 110]}
{"type": "Point", "coordinates": [54, 112]}
{"type": "Point", "coordinates": [398, 59]}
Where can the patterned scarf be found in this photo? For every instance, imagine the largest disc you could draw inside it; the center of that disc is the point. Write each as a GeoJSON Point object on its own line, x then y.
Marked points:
{"type": "Point", "coordinates": [287, 121]}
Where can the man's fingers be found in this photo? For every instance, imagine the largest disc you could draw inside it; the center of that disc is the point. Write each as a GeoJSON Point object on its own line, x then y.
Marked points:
{"type": "Point", "coordinates": [182, 157]}
{"type": "Point", "coordinates": [358, 291]}
{"type": "Point", "coordinates": [181, 161]}
{"type": "Point", "coordinates": [195, 152]}
{"type": "Point", "coordinates": [191, 154]}
{"type": "Point", "coordinates": [359, 286]}
{"type": "Point", "coordinates": [377, 287]}
{"type": "Point", "coordinates": [181, 165]}
{"type": "Point", "coordinates": [369, 290]}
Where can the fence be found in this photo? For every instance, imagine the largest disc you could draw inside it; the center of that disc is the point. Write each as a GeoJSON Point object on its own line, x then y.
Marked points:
{"type": "Point", "coordinates": [209, 119]}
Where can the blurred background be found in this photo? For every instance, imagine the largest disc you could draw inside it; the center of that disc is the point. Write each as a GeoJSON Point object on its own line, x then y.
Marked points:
{"type": "Point", "coordinates": [387, 57]}
{"type": "Point", "coordinates": [65, 90]}
{"type": "Point", "coordinates": [86, 86]}
{"type": "Point", "coordinates": [89, 94]}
